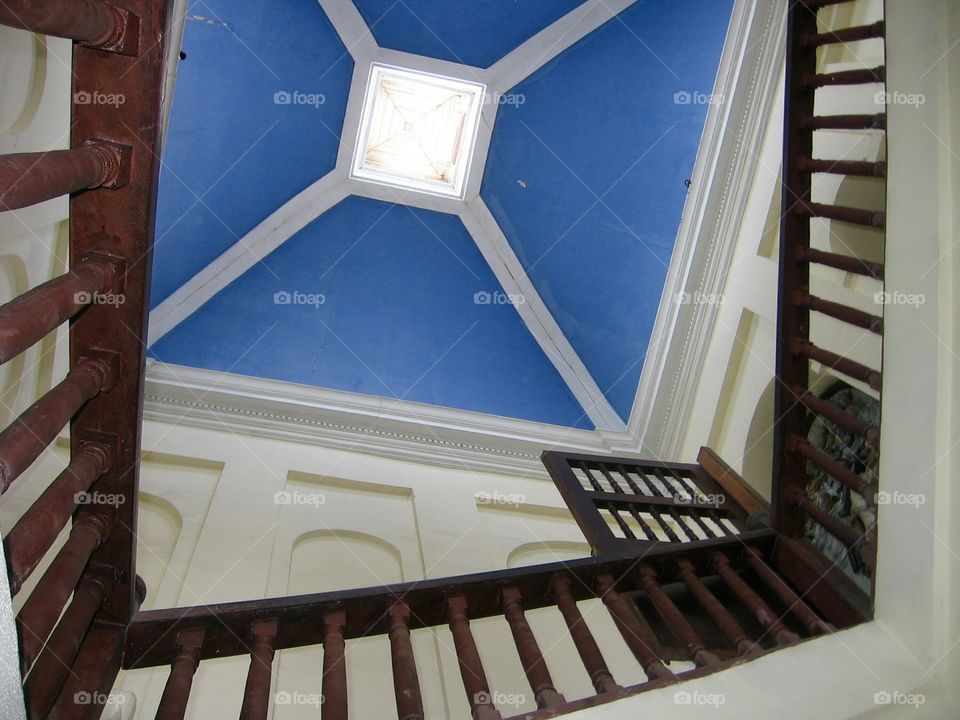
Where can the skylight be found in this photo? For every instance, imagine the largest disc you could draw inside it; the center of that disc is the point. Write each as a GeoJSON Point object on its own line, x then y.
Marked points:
{"type": "Point", "coordinates": [417, 130]}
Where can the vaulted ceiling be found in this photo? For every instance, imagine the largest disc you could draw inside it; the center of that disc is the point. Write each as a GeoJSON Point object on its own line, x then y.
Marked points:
{"type": "Point", "coordinates": [534, 297]}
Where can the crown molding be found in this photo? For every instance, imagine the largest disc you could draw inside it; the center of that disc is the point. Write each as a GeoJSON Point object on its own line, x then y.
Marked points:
{"type": "Point", "coordinates": [747, 81]}
{"type": "Point", "coordinates": [398, 429]}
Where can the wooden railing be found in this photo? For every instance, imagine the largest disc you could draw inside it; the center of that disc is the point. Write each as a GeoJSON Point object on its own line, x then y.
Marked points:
{"type": "Point", "coordinates": [111, 173]}
{"type": "Point", "coordinates": [797, 402]}
{"type": "Point", "coordinates": [627, 504]}
{"type": "Point", "coordinates": [740, 605]}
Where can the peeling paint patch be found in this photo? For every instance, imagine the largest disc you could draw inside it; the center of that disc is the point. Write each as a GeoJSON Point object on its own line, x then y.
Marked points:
{"type": "Point", "coordinates": [209, 21]}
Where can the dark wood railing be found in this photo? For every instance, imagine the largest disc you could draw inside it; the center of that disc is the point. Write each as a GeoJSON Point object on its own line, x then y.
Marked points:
{"type": "Point", "coordinates": [633, 504]}
{"type": "Point", "coordinates": [668, 593]}
{"type": "Point", "coordinates": [111, 173]}
{"type": "Point", "coordinates": [797, 403]}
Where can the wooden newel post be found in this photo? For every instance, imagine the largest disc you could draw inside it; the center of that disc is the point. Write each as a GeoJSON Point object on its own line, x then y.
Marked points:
{"type": "Point", "coordinates": [405, 681]}
{"type": "Point", "coordinates": [176, 693]}
{"type": "Point", "coordinates": [586, 645]}
{"type": "Point", "coordinates": [256, 693]}
{"type": "Point", "coordinates": [531, 657]}
{"type": "Point", "coordinates": [471, 667]}
{"type": "Point", "coordinates": [334, 682]}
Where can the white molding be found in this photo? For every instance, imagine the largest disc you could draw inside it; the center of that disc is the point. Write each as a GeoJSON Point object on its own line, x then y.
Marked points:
{"type": "Point", "coordinates": [399, 429]}
{"type": "Point", "coordinates": [285, 222]}
{"type": "Point", "coordinates": [491, 241]}
{"type": "Point", "coordinates": [350, 26]}
{"type": "Point", "coordinates": [750, 70]}
{"type": "Point", "coordinates": [547, 44]}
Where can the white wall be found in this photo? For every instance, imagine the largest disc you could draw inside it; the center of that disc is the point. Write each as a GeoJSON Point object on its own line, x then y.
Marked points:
{"type": "Point", "coordinates": [230, 517]}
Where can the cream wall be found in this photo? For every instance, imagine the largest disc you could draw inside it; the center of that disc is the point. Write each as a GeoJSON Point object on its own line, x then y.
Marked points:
{"type": "Point", "coordinates": [733, 404]}
{"type": "Point", "coordinates": [232, 517]}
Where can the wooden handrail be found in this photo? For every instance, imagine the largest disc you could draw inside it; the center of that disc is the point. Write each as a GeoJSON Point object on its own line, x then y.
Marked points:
{"type": "Point", "coordinates": [37, 427]}
{"type": "Point", "coordinates": [32, 316]}
{"type": "Point", "coordinates": [38, 528]}
{"type": "Point", "coordinates": [228, 622]}
{"type": "Point", "coordinates": [31, 178]}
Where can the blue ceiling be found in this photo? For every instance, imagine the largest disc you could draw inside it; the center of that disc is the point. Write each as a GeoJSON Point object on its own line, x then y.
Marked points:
{"type": "Point", "coordinates": [585, 178]}
{"type": "Point", "coordinates": [229, 161]}
{"type": "Point", "coordinates": [470, 32]}
{"type": "Point", "coordinates": [397, 318]}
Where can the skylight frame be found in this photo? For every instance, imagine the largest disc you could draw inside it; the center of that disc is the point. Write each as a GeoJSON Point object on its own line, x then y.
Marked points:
{"type": "Point", "coordinates": [456, 187]}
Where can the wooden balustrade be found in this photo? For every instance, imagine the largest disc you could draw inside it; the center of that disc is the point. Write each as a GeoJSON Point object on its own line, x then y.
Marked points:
{"type": "Point", "coordinates": [672, 502]}
{"type": "Point", "coordinates": [848, 264]}
{"type": "Point", "coordinates": [586, 645]}
{"type": "Point", "coordinates": [793, 602]}
{"type": "Point", "coordinates": [38, 528]}
{"type": "Point", "coordinates": [767, 618]}
{"type": "Point", "coordinates": [721, 617]}
{"type": "Point", "coordinates": [406, 683]}
{"type": "Point", "coordinates": [531, 657]}
{"type": "Point", "coordinates": [674, 619]}
{"type": "Point", "coordinates": [37, 427]}
{"type": "Point", "coordinates": [844, 77]}
{"type": "Point", "coordinates": [471, 666]}
{"type": "Point", "coordinates": [94, 23]}
{"type": "Point", "coordinates": [841, 312]}
{"type": "Point", "coordinates": [836, 415]}
{"type": "Point", "coordinates": [395, 610]}
{"type": "Point", "coordinates": [637, 637]}
{"type": "Point", "coordinates": [120, 51]}
{"type": "Point", "coordinates": [31, 178]}
{"type": "Point", "coordinates": [176, 692]}
{"type": "Point", "coordinates": [50, 671]}
{"type": "Point", "coordinates": [334, 667]}
{"type": "Point", "coordinates": [796, 403]}
{"type": "Point", "coordinates": [32, 316]}
{"type": "Point", "coordinates": [41, 610]}
{"type": "Point", "coordinates": [845, 122]}
{"type": "Point", "coordinates": [256, 693]}
{"type": "Point", "coordinates": [845, 35]}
